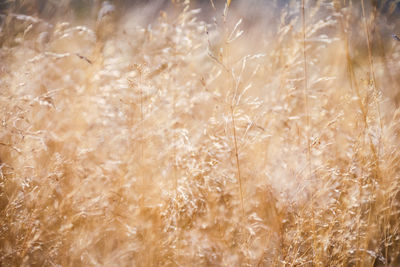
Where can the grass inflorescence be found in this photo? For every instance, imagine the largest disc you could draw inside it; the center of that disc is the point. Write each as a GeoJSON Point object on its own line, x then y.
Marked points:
{"type": "Point", "coordinates": [240, 134]}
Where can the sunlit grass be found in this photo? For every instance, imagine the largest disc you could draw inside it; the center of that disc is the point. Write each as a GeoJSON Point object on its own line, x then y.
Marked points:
{"type": "Point", "coordinates": [183, 138]}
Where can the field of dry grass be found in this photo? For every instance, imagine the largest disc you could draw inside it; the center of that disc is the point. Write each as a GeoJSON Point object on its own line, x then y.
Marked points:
{"type": "Point", "coordinates": [259, 134]}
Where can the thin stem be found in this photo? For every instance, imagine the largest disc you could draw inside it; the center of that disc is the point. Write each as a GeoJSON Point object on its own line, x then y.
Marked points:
{"type": "Point", "coordinates": [376, 150]}
{"type": "Point", "coordinates": [306, 104]}
{"type": "Point", "coordinates": [371, 66]}
{"type": "Point", "coordinates": [174, 148]}
{"type": "Point", "coordinates": [237, 158]}
{"type": "Point", "coordinates": [141, 119]}
{"type": "Point", "coordinates": [355, 88]}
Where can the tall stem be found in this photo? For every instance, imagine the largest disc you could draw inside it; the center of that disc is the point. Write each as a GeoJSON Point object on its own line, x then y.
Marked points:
{"type": "Point", "coordinates": [307, 112]}
{"type": "Point", "coordinates": [237, 158]}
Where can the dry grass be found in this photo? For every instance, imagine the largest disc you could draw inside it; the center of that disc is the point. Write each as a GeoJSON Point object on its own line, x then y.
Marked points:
{"type": "Point", "coordinates": [132, 141]}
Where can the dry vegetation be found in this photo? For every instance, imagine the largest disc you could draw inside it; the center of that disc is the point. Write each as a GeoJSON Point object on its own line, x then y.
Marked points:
{"type": "Point", "coordinates": [132, 141]}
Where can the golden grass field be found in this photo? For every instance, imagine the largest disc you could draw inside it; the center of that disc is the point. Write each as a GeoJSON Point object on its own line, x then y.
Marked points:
{"type": "Point", "coordinates": [243, 134]}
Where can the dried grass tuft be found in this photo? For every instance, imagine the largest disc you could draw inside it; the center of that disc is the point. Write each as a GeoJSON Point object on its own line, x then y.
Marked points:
{"type": "Point", "coordinates": [241, 136]}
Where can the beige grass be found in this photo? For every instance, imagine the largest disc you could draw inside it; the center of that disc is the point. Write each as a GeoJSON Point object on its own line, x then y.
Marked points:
{"type": "Point", "coordinates": [267, 141]}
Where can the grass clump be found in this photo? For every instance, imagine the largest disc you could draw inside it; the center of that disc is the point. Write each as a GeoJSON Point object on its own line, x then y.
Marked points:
{"type": "Point", "coordinates": [164, 135]}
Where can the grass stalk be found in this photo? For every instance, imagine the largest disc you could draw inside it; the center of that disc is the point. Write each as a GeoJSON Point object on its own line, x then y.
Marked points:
{"type": "Point", "coordinates": [237, 158]}
{"type": "Point", "coordinates": [308, 130]}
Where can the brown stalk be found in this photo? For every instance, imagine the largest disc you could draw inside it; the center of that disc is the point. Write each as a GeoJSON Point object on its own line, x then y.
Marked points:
{"type": "Point", "coordinates": [375, 150]}
{"type": "Point", "coordinates": [237, 158]}
{"type": "Point", "coordinates": [308, 125]}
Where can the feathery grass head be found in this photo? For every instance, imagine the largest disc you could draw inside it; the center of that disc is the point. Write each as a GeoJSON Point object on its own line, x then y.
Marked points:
{"type": "Point", "coordinates": [158, 134]}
